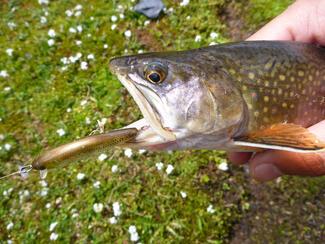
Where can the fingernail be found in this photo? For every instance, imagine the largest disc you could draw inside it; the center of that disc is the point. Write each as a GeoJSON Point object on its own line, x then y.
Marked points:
{"type": "Point", "coordinates": [265, 172]}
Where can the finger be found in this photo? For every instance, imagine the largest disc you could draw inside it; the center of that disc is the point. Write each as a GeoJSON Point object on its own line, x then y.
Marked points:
{"type": "Point", "coordinates": [239, 157]}
{"type": "Point", "coordinates": [303, 21]}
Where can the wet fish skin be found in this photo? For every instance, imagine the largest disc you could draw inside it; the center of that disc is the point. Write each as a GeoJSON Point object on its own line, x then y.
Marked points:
{"type": "Point", "coordinates": [215, 94]}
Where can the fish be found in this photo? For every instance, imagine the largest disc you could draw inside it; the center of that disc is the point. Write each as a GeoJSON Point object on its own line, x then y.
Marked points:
{"type": "Point", "coordinates": [242, 96]}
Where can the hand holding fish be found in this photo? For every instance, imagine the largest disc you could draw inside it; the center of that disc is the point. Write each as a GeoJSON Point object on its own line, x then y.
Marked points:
{"type": "Point", "coordinates": [303, 21]}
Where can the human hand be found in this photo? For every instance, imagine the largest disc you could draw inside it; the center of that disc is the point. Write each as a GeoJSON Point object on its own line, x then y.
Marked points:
{"type": "Point", "coordinates": [303, 21]}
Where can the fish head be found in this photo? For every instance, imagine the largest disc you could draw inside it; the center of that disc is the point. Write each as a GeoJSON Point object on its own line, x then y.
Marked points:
{"type": "Point", "coordinates": [172, 93]}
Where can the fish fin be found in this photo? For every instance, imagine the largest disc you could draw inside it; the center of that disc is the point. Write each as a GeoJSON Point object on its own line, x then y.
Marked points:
{"type": "Point", "coordinates": [287, 137]}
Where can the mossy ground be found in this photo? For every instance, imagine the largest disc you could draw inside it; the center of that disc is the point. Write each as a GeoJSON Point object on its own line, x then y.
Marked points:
{"type": "Point", "coordinates": [38, 93]}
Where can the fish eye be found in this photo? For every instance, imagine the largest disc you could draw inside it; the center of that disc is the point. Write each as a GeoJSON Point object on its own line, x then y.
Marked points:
{"type": "Point", "coordinates": [155, 73]}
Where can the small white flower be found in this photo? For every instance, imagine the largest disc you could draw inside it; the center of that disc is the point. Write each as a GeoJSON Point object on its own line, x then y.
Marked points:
{"type": "Point", "coordinates": [210, 209]}
{"type": "Point", "coordinates": [2, 137]}
{"type": "Point", "coordinates": [51, 33]}
{"type": "Point", "coordinates": [48, 205]}
{"type": "Point", "coordinates": [113, 18]}
{"type": "Point", "coordinates": [10, 242]}
{"type": "Point", "coordinates": [73, 59]}
{"type": "Point", "coordinates": [113, 27]}
{"type": "Point", "coordinates": [198, 38]}
{"type": "Point", "coordinates": [77, 13]}
{"type": "Point", "coordinates": [44, 192]}
{"type": "Point", "coordinates": [128, 152]}
{"type": "Point", "coordinates": [169, 169]}
{"type": "Point", "coordinates": [159, 166]}
{"type": "Point", "coordinates": [105, 46]}
{"type": "Point", "coordinates": [88, 35]}
{"type": "Point", "coordinates": [84, 65]}
{"type": "Point", "coordinates": [142, 151]}
{"type": "Point", "coordinates": [43, 20]}
{"type": "Point", "coordinates": [213, 35]}
{"type": "Point", "coordinates": [147, 22]}
{"type": "Point", "coordinates": [50, 42]}
{"type": "Point", "coordinates": [113, 220]}
{"type": "Point", "coordinates": [134, 234]}
{"type": "Point", "coordinates": [184, 3]}
{"type": "Point", "coordinates": [65, 60]}
{"type": "Point", "coordinates": [7, 146]}
{"type": "Point", "coordinates": [81, 176]}
{"type": "Point", "coordinates": [96, 184]}
{"type": "Point", "coordinates": [183, 194]}
{"type": "Point", "coordinates": [117, 209]}
{"type": "Point", "coordinates": [7, 88]}
{"type": "Point", "coordinates": [78, 7]}
{"type": "Point", "coordinates": [87, 121]}
{"type": "Point", "coordinates": [43, 183]}
{"type": "Point", "coordinates": [72, 30]}
{"type": "Point", "coordinates": [114, 168]}
{"type": "Point", "coordinates": [79, 28]}
{"type": "Point", "coordinates": [11, 25]}
{"type": "Point", "coordinates": [212, 43]}
{"type": "Point", "coordinates": [74, 215]}
{"type": "Point", "coordinates": [10, 226]}
{"type": "Point", "coordinates": [128, 34]}
{"type": "Point", "coordinates": [46, 13]}
{"type": "Point", "coordinates": [78, 42]}
{"type": "Point", "coordinates": [54, 236]}
{"type": "Point", "coordinates": [90, 56]}
{"type": "Point", "coordinates": [223, 166]}
{"type": "Point", "coordinates": [61, 132]}
{"type": "Point", "coordinates": [78, 55]}
{"type": "Point", "coordinates": [98, 207]}
{"type": "Point", "coordinates": [45, 2]}
{"type": "Point", "coordinates": [92, 18]}
{"type": "Point", "coordinates": [69, 13]}
{"type": "Point", "coordinates": [83, 103]}
{"type": "Point", "coordinates": [140, 51]}
{"type": "Point", "coordinates": [4, 73]}
{"type": "Point", "coordinates": [122, 16]}
{"type": "Point", "coordinates": [69, 110]}
{"type": "Point", "coordinates": [102, 157]}
{"type": "Point", "coordinates": [52, 226]}
{"type": "Point", "coordinates": [9, 51]}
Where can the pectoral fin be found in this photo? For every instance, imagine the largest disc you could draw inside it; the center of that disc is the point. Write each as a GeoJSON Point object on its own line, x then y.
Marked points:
{"type": "Point", "coordinates": [287, 137]}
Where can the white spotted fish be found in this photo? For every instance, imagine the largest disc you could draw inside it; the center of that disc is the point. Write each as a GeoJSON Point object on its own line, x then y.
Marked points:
{"type": "Point", "coordinates": [238, 96]}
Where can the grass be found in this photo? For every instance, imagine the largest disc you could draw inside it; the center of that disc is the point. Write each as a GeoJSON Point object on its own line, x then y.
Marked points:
{"type": "Point", "coordinates": [35, 99]}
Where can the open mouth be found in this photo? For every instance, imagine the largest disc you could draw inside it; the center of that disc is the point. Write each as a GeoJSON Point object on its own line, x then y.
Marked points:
{"type": "Point", "coordinates": [151, 120]}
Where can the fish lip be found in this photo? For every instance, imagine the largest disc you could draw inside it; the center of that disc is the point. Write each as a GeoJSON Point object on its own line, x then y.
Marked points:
{"type": "Point", "coordinates": [145, 107]}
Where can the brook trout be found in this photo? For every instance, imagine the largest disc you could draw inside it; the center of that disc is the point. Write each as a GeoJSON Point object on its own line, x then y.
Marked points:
{"type": "Point", "coordinates": [239, 96]}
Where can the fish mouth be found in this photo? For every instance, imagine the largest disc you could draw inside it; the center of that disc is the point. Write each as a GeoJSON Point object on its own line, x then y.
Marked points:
{"type": "Point", "coordinates": [151, 124]}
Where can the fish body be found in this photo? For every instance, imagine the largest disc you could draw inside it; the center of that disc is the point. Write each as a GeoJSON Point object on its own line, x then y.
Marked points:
{"type": "Point", "coordinates": [237, 96]}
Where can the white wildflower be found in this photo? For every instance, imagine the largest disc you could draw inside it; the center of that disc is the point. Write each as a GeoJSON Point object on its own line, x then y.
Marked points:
{"type": "Point", "coordinates": [210, 209]}
{"type": "Point", "coordinates": [4, 73]}
{"type": "Point", "coordinates": [128, 34]}
{"type": "Point", "coordinates": [78, 7]}
{"type": "Point", "coordinates": [48, 205]}
{"type": "Point", "coordinates": [11, 25]}
{"type": "Point", "coordinates": [64, 68]}
{"type": "Point", "coordinates": [72, 30]}
{"type": "Point", "coordinates": [9, 51]}
{"type": "Point", "coordinates": [50, 42]}
{"type": "Point", "coordinates": [51, 33]}
{"type": "Point", "coordinates": [183, 194]}
{"type": "Point", "coordinates": [113, 18]}
{"type": "Point", "coordinates": [69, 13]}
{"type": "Point", "coordinates": [198, 38]}
{"type": "Point", "coordinates": [134, 234]}
{"type": "Point", "coordinates": [212, 43]}
{"type": "Point", "coordinates": [113, 220]}
{"type": "Point", "coordinates": [84, 65]}
{"type": "Point", "coordinates": [87, 121]}
{"type": "Point", "coordinates": [7, 146]}
{"type": "Point", "coordinates": [122, 16]}
{"type": "Point", "coordinates": [96, 184]}
{"type": "Point", "coordinates": [80, 176]}
{"type": "Point", "coordinates": [61, 132]}
{"type": "Point", "coordinates": [77, 13]}
{"type": "Point", "coordinates": [147, 22]}
{"type": "Point", "coordinates": [114, 168]}
{"type": "Point", "coordinates": [98, 207]}
{"type": "Point", "coordinates": [117, 209]}
{"type": "Point", "coordinates": [65, 60]}
{"type": "Point", "coordinates": [10, 226]}
{"type": "Point", "coordinates": [78, 55]}
{"type": "Point", "coordinates": [140, 51]}
{"type": "Point", "coordinates": [90, 56]}
{"type": "Point", "coordinates": [142, 151]}
{"type": "Point", "coordinates": [128, 152]}
{"type": "Point", "coordinates": [159, 166]}
{"type": "Point", "coordinates": [79, 28]}
{"type": "Point", "coordinates": [7, 88]}
{"type": "Point", "coordinates": [43, 183]}
{"type": "Point", "coordinates": [69, 110]}
{"type": "Point", "coordinates": [184, 2]}
{"type": "Point", "coordinates": [88, 35]}
{"type": "Point", "coordinates": [45, 2]}
{"type": "Point", "coordinates": [44, 191]}
{"type": "Point", "coordinates": [83, 103]}
{"type": "Point", "coordinates": [43, 20]}
{"type": "Point", "coordinates": [213, 35]}
{"type": "Point", "coordinates": [113, 27]}
{"type": "Point", "coordinates": [102, 157]}
{"type": "Point", "coordinates": [52, 226]}
{"type": "Point", "coordinates": [54, 236]}
{"type": "Point", "coordinates": [169, 169]}
{"type": "Point", "coordinates": [78, 42]}
{"type": "Point", "coordinates": [223, 166]}
{"type": "Point", "coordinates": [105, 46]}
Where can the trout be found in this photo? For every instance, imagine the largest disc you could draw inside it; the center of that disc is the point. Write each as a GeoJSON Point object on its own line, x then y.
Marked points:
{"type": "Point", "coordinates": [243, 96]}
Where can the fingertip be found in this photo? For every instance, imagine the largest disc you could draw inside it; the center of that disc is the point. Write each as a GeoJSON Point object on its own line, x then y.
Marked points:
{"type": "Point", "coordinates": [239, 157]}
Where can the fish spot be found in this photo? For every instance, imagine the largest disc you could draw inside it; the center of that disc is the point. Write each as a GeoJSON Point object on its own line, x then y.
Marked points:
{"type": "Point", "coordinates": [266, 99]}
{"type": "Point", "coordinates": [284, 105]}
{"type": "Point", "coordinates": [282, 77]}
{"type": "Point", "coordinates": [301, 73]}
{"type": "Point", "coordinates": [267, 83]}
{"type": "Point", "coordinates": [291, 94]}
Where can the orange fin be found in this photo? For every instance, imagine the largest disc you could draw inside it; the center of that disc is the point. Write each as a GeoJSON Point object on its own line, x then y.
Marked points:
{"type": "Point", "coordinates": [288, 137]}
